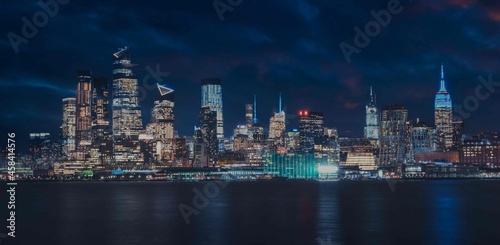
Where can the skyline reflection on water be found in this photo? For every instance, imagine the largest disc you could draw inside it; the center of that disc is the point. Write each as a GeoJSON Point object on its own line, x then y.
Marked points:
{"type": "Point", "coordinates": [290, 212]}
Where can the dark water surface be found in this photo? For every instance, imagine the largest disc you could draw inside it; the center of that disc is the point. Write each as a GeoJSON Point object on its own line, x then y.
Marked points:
{"type": "Point", "coordinates": [289, 212]}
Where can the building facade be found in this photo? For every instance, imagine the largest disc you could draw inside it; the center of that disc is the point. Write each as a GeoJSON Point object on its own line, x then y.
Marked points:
{"type": "Point", "coordinates": [208, 134]}
{"type": "Point", "coordinates": [311, 128]}
{"type": "Point", "coordinates": [83, 137]}
{"type": "Point", "coordinates": [422, 138]}
{"type": "Point", "coordinates": [393, 135]}
{"type": "Point", "coordinates": [162, 124]}
{"type": "Point", "coordinates": [458, 132]}
{"type": "Point", "coordinates": [481, 152]}
{"type": "Point", "coordinates": [102, 135]}
{"type": "Point", "coordinates": [277, 126]}
{"type": "Point", "coordinates": [68, 128]}
{"type": "Point", "coordinates": [40, 149]}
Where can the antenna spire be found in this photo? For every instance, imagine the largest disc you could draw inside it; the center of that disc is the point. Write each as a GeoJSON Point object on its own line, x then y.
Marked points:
{"type": "Point", "coordinates": [279, 109]}
{"type": "Point", "coordinates": [443, 86]}
{"type": "Point", "coordinates": [255, 109]}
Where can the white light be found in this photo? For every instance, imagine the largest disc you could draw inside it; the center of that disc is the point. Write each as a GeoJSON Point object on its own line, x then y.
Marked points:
{"type": "Point", "coordinates": [328, 169]}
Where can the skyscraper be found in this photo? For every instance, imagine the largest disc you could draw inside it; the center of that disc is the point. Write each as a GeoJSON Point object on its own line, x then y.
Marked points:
{"type": "Point", "coordinates": [372, 118]}
{"type": "Point", "coordinates": [39, 148]}
{"type": "Point", "coordinates": [162, 123]}
{"type": "Point", "coordinates": [68, 127]}
{"type": "Point", "coordinates": [277, 126]}
{"type": "Point", "coordinates": [393, 135]}
{"type": "Point", "coordinates": [83, 136]}
{"type": "Point", "coordinates": [211, 96]}
{"type": "Point", "coordinates": [458, 132]}
{"type": "Point", "coordinates": [311, 128]}
{"type": "Point", "coordinates": [102, 136]}
{"type": "Point", "coordinates": [208, 133]}
{"type": "Point", "coordinates": [421, 138]}
{"type": "Point", "coordinates": [127, 117]}
{"type": "Point", "coordinates": [443, 116]}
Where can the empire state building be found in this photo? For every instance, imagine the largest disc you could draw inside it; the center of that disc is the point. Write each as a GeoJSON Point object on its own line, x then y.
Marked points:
{"type": "Point", "coordinates": [443, 117]}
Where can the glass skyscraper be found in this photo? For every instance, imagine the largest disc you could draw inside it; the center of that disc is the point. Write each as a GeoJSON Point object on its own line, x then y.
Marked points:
{"type": "Point", "coordinates": [127, 117]}
{"type": "Point", "coordinates": [211, 95]}
{"type": "Point", "coordinates": [393, 135]}
{"type": "Point", "coordinates": [208, 133]}
{"type": "Point", "coordinates": [311, 128]}
{"type": "Point", "coordinates": [102, 137]}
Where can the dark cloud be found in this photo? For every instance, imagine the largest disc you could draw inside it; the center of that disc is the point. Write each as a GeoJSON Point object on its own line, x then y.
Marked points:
{"type": "Point", "coordinates": [262, 48]}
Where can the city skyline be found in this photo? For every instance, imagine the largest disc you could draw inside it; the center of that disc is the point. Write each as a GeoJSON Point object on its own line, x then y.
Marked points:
{"type": "Point", "coordinates": [250, 122]}
{"type": "Point", "coordinates": [291, 122]}
{"type": "Point", "coordinates": [320, 80]}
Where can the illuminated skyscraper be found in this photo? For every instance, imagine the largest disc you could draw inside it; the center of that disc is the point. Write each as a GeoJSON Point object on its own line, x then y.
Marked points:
{"type": "Point", "coordinates": [458, 132]}
{"type": "Point", "coordinates": [372, 118]}
{"type": "Point", "coordinates": [162, 124]}
{"type": "Point", "coordinates": [443, 117]}
{"type": "Point", "coordinates": [208, 133]}
{"type": "Point", "coordinates": [311, 128]}
{"type": "Point", "coordinates": [127, 117]}
{"type": "Point", "coordinates": [102, 135]}
{"type": "Point", "coordinates": [211, 96]}
{"type": "Point", "coordinates": [277, 126]}
{"type": "Point", "coordinates": [68, 127]}
{"type": "Point", "coordinates": [393, 135]}
{"type": "Point", "coordinates": [39, 147]}
{"type": "Point", "coordinates": [422, 138]}
{"type": "Point", "coordinates": [83, 138]}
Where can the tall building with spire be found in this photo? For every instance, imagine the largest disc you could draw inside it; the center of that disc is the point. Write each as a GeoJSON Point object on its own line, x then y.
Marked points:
{"type": "Point", "coordinates": [211, 96]}
{"type": "Point", "coordinates": [277, 126]}
{"type": "Point", "coordinates": [127, 117]}
{"type": "Point", "coordinates": [256, 132]}
{"type": "Point", "coordinates": [443, 117]}
{"type": "Point", "coordinates": [372, 118]}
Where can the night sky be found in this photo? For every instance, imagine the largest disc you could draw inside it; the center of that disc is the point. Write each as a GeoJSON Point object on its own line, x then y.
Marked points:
{"type": "Point", "coordinates": [261, 48]}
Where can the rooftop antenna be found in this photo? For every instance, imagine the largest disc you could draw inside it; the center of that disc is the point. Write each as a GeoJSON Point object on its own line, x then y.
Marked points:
{"type": "Point", "coordinates": [279, 110]}
{"type": "Point", "coordinates": [255, 109]}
